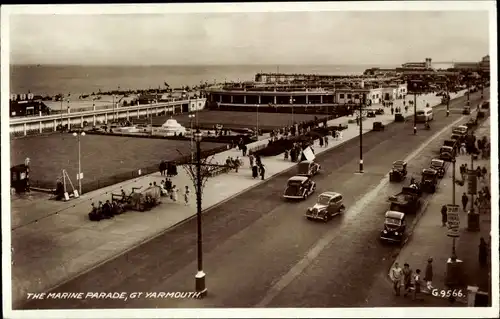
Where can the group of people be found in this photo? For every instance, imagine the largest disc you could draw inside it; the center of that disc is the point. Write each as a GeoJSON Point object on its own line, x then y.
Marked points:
{"type": "Point", "coordinates": [409, 281]}
{"type": "Point", "coordinates": [168, 169]}
{"type": "Point", "coordinates": [234, 163]}
{"type": "Point", "coordinates": [106, 210]}
{"type": "Point", "coordinates": [258, 168]}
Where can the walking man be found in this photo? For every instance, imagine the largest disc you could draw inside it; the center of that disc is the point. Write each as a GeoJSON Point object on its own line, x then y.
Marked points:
{"type": "Point", "coordinates": [186, 195]}
{"type": "Point", "coordinates": [429, 274]}
{"type": "Point", "coordinates": [417, 283]}
{"type": "Point", "coordinates": [262, 171]}
{"type": "Point", "coordinates": [407, 274]}
{"type": "Point", "coordinates": [326, 140]}
{"type": "Point", "coordinates": [396, 275]}
{"type": "Point", "coordinates": [465, 200]}
{"type": "Point", "coordinates": [444, 215]}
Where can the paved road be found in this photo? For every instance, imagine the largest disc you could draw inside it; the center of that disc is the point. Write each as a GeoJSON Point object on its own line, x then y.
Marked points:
{"type": "Point", "coordinates": [255, 244]}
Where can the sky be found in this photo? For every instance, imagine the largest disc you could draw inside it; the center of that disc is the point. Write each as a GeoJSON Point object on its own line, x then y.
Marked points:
{"type": "Point", "coordinates": [337, 37]}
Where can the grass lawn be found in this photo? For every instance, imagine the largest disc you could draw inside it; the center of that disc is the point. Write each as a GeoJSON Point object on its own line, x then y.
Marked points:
{"type": "Point", "coordinates": [102, 157]}
{"type": "Point", "coordinates": [267, 121]}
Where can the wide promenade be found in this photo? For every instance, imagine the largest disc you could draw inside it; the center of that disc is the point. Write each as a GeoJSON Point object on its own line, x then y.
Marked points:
{"type": "Point", "coordinates": [257, 227]}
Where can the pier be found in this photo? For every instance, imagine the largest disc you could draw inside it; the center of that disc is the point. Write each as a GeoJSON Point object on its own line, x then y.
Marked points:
{"type": "Point", "coordinates": [22, 126]}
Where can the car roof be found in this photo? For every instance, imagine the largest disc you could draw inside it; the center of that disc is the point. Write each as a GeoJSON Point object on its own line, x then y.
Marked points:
{"type": "Point", "coordinates": [305, 162]}
{"type": "Point", "coordinates": [445, 146]}
{"type": "Point", "coordinates": [437, 160]}
{"type": "Point", "coordinates": [394, 214]}
{"type": "Point", "coordinates": [429, 171]}
{"type": "Point", "coordinates": [330, 194]}
{"type": "Point", "coordinates": [399, 162]}
{"type": "Point", "coordinates": [298, 179]}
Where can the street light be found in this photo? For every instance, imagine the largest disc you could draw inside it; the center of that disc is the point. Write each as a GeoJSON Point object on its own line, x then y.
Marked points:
{"type": "Point", "coordinates": [293, 115]}
{"type": "Point", "coordinates": [415, 113]}
{"type": "Point", "coordinates": [191, 117]}
{"type": "Point", "coordinates": [200, 275]}
{"type": "Point", "coordinates": [361, 102]}
{"type": "Point", "coordinates": [78, 135]}
{"type": "Point", "coordinates": [453, 249]}
{"type": "Point", "coordinates": [257, 133]}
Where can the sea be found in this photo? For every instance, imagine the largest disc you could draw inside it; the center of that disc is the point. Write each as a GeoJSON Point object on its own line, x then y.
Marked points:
{"type": "Point", "coordinates": [75, 80]}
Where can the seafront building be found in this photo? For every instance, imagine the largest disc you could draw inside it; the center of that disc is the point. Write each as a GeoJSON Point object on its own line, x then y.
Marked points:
{"type": "Point", "coordinates": [305, 91]}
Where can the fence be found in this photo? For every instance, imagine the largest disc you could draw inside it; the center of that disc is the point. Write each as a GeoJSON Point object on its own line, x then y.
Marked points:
{"type": "Point", "coordinates": [105, 181]}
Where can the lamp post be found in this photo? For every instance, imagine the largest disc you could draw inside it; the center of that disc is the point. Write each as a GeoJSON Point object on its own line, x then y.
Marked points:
{"type": "Point", "coordinates": [257, 132]}
{"type": "Point", "coordinates": [447, 100]}
{"type": "Point", "coordinates": [191, 118]}
{"type": "Point", "coordinates": [361, 102]}
{"type": "Point", "coordinates": [415, 113]}
{"type": "Point", "coordinates": [453, 249]}
{"type": "Point", "coordinates": [78, 135]}
{"type": "Point", "coordinates": [200, 275]}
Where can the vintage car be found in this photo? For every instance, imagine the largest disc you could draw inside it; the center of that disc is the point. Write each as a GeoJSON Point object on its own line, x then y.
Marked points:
{"type": "Point", "coordinates": [299, 187]}
{"type": "Point", "coordinates": [328, 205]}
{"type": "Point", "coordinates": [370, 114]}
{"type": "Point", "coordinates": [429, 180]}
{"type": "Point", "coordinates": [308, 168]}
{"type": "Point", "coordinates": [460, 130]}
{"type": "Point", "coordinates": [394, 227]}
{"type": "Point", "coordinates": [407, 201]}
{"type": "Point", "coordinates": [438, 165]}
{"type": "Point", "coordinates": [446, 153]}
{"type": "Point", "coordinates": [398, 117]}
{"type": "Point", "coordinates": [398, 171]}
{"type": "Point", "coordinates": [379, 111]}
{"type": "Point", "coordinates": [457, 137]}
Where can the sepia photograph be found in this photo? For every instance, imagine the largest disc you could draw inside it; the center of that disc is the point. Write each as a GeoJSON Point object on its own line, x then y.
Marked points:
{"type": "Point", "coordinates": [301, 159]}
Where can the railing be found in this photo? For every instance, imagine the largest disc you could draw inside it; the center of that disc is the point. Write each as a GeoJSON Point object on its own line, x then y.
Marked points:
{"type": "Point", "coordinates": [105, 181]}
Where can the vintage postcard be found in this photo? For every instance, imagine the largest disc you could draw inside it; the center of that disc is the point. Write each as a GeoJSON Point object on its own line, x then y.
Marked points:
{"type": "Point", "coordinates": [308, 159]}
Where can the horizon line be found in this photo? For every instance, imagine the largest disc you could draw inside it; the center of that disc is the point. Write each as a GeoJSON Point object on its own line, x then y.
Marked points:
{"type": "Point", "coordinates": [201, 64]}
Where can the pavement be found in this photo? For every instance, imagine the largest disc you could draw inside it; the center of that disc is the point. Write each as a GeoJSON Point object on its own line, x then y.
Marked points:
{"type": "Point", "coordinates": [235, 230]}
{"type": "Point", "coordinates": [429, 239]}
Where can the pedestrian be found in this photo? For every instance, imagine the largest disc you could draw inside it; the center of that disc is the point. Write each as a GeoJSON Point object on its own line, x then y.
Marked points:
{"type": "Point", "coordinates": [429, 274]}
{"type": "Point", "coordinates": [262, 171]}
{"type": "Point", "coordinates": [186, 195]}
{"type": "Point", "coordinates": [417, 283]}
{"type": "Point", "coordinates": [396, 276]}
{"type": "Point", "coordinates": [251, 159]}
{"type": "Point", "coordinates": [173, 193]}
{"type": "Point", "coordinates": [255, 172]}
{"type": "Point", "coordinates": [483, 252]}
{"type": "Point", "coordinates": [340, 135]}
{"type": "Point", "coordinates": [465, 200]}
{"type": "Point", "coordinates": [462, 171]}
{"type": "Point", "coordinates": [406, 109]}
{"type": "Point", "coordinates": [244, 150]}
{"type": "Point", "coordinates": [326, 140]}
{"type": "Point", "coordinates": [444, 215]}
{"type": "Point", "coordinates": [407, 274]}
{"type": "Point", "coordinates": [392, 111]}
{"type": "Point", "coordinates": [286, 155]}
{"type": "Point", "coordinates": [321, 142]}
{"type": "Point", "coordinates": [484, 172]}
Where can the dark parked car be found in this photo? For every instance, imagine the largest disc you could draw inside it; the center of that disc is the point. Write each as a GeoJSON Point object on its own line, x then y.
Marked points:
{"type": "Point", "coordinates": [438, 165]}
{"type": "Point", "coordinates": [428, 183]}
{"type": "Point", "coordinates": [394, 227]}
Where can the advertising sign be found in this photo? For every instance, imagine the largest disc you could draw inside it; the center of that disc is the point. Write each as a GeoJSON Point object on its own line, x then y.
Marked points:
{"type": "Point", "coordinates": [453, 220]}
